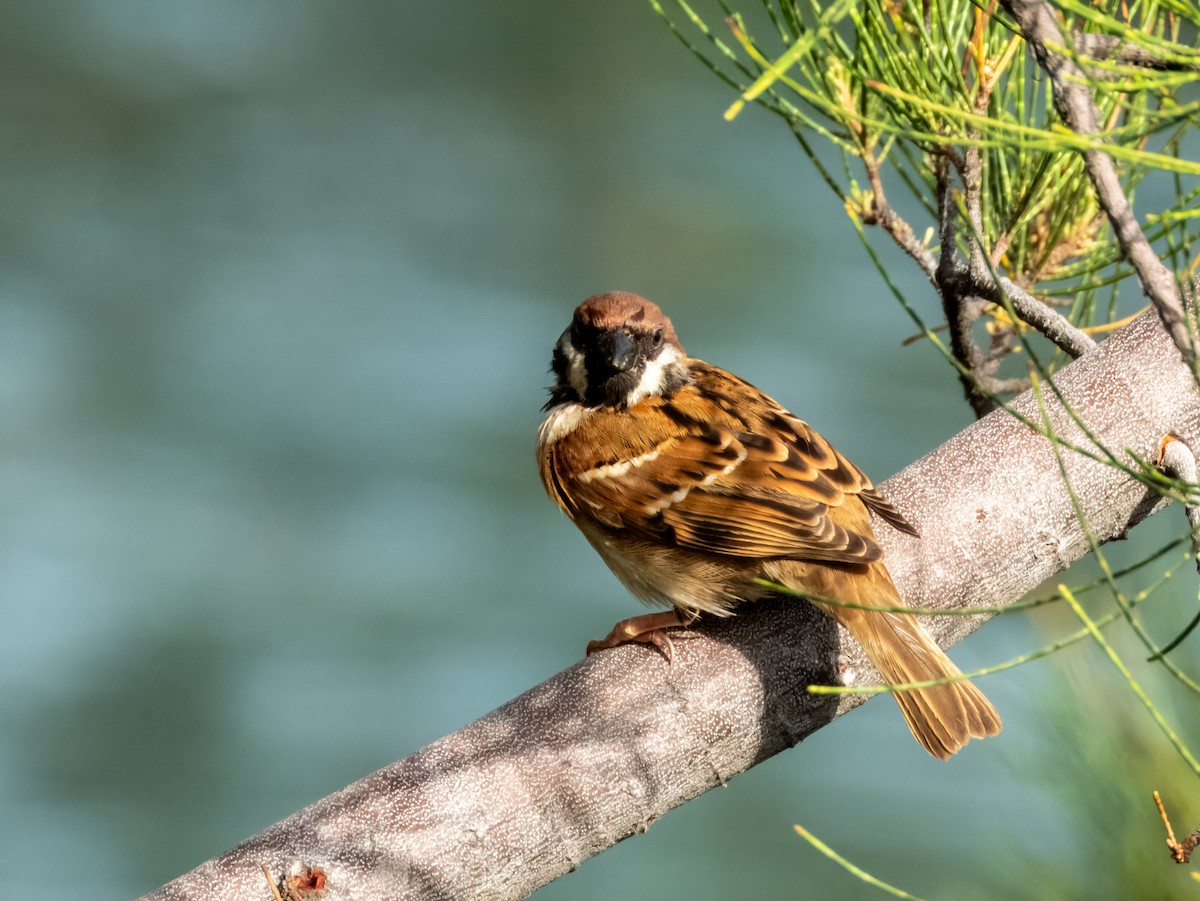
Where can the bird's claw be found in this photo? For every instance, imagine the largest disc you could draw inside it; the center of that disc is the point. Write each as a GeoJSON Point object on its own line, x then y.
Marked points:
{"type": "Point", "coordinates": [648, 629]}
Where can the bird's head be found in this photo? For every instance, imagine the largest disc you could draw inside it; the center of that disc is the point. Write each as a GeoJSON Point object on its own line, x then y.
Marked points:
{"type": "Point", "coordinates": [618, 350]}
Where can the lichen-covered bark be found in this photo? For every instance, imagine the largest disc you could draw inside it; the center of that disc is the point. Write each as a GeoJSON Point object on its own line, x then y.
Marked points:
{"type": "Point", "coordinates": [596, 753]}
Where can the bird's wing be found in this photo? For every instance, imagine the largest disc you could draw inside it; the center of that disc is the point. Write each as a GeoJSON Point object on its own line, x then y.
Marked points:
{"type": "Point", "coordinates": [711, 478]}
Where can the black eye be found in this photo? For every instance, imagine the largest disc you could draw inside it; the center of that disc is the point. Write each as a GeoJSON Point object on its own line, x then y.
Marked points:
{"type": "Point", "coordinates": [656, 338]}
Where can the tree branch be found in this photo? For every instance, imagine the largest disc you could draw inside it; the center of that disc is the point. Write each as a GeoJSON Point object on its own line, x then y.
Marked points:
{"type": "Point", "coordinates": [596, 753]}
{"type": "Point", "coordinates": [1047, 320]}
{"type": "Point", "coordinates": [1112, 48]}
{"type": "Point", "coordinates": [881, 213]}
{"type": "Point", "coordinates": [1077, 109]}
{"type": "Point", "coordinates": [960, 315]}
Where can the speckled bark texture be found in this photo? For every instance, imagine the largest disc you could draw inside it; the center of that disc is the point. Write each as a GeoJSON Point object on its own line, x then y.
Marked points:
{"type": "Point", "coordinates": [596, 753]}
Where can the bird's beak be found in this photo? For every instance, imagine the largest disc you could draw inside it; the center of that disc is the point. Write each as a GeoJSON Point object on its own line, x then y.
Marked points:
{"type": "Point", "coordinates": [619, 349]}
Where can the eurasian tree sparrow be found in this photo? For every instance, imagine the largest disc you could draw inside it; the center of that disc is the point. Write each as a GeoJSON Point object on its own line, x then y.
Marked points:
{"type": "Point", "coordinates": [693, 486]}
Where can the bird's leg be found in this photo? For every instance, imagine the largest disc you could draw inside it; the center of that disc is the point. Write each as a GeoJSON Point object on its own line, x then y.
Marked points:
{"type": "Point", "coordinates": [647, 628]}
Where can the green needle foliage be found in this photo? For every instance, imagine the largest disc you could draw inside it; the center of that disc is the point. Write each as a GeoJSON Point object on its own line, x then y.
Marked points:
{"type": "Point", "coordinates": [942, 104]}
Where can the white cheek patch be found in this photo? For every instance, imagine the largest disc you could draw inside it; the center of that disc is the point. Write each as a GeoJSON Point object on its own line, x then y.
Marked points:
{"type": "Point", "coordinates": [654, 375]}
{"type": "Point", "coordinates": [576, 371]}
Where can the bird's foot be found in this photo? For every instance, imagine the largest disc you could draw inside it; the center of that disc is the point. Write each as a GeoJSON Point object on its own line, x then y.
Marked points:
{"type": "Point", "coordinates": [647, 629]}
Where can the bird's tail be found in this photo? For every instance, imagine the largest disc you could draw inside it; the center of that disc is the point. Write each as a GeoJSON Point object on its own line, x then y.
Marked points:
{"type": "Point", "coordinates": [942, 718]}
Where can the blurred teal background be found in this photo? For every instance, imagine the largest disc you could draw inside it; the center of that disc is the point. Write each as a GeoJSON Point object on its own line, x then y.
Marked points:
{"type": "Point", "coordinates": [279, 286]}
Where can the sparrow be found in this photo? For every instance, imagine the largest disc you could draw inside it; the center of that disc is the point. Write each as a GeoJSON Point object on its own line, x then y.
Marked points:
{"type": "Point", "coordinates": [695, 488]}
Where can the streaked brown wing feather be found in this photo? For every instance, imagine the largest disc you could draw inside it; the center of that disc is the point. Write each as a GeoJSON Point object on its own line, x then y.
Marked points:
{"type": "Point", "coordinates": [726, 480]}
{"type": "Point", "coordinates": [742, 526]}
{"type": "Point", "coordinates": [887, 512]}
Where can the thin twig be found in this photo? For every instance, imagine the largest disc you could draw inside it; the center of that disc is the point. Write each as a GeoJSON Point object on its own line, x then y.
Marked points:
{"type": "Point", "coordinates": [961, 310]}
{"type": "Point", "coordinates": [971, 172]}
{"type": "Point", "coordinates": [1181, 852]}
{"type": "Point", "coordinates": [882, 214]}
{"type": "Point", "coordinates": [1048, 321]}
{"type": "Point", "coordinates": [1113, 48]}
{"type": "Point", "coordinates": [1077, 109]}
{"type": "Point", "coordinates": [851, 868]}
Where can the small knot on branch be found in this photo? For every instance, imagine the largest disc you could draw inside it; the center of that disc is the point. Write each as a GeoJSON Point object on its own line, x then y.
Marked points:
{"type": "Point", "coordinates": [1175, 459]}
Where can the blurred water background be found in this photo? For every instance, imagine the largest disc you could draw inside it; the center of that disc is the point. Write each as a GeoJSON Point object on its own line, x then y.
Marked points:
{"type": "Point", "coordinates": [279, 286]}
